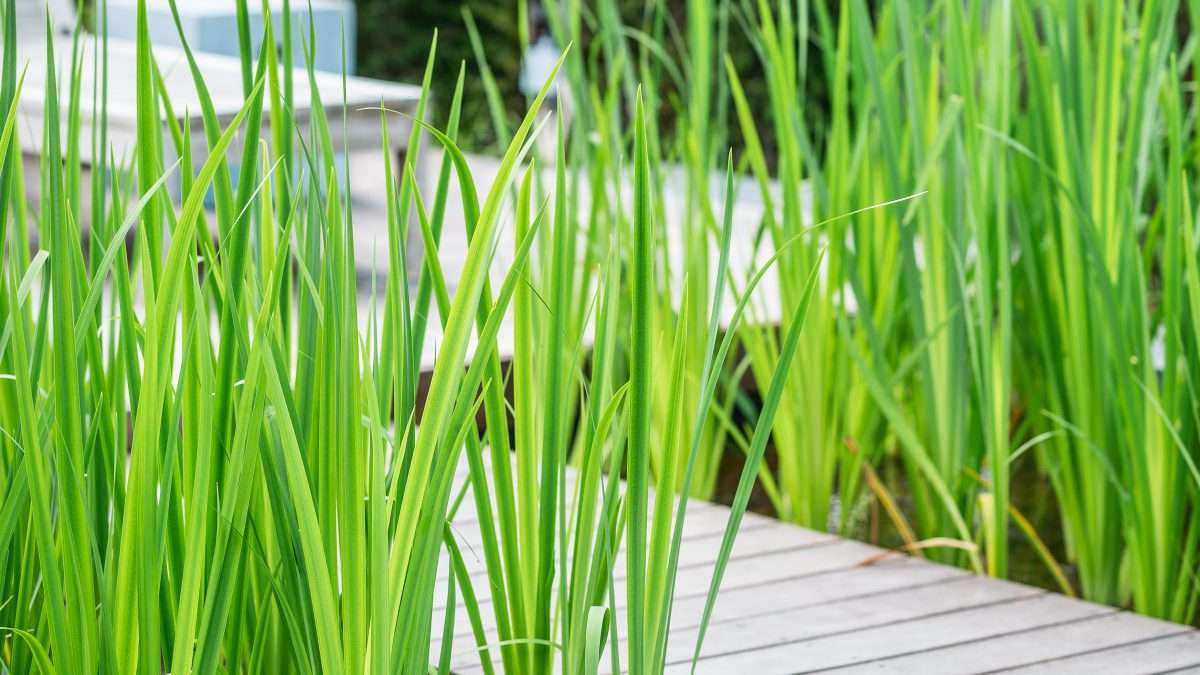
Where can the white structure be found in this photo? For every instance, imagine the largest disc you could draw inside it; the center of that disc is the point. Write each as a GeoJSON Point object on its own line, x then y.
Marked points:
{"type": "Point", "coordinates": [211, 26]}
{"type": "Point", "coordinates": [222, 75]}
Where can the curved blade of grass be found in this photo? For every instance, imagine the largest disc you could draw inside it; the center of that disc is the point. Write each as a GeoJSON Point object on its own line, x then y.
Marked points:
{"type": "Point", "coordinates": [758, 446]}
{"type": "Point", "coordinates": [447, 375]}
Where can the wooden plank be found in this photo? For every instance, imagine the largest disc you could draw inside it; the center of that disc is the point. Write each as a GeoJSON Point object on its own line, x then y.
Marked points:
{"type": "Point", "coordinates": [699, 523]}
{"type": "Point", "coordinates": [759, 572]}
{"type": "Point", "coordinates": [1176, 653]}
{"type": "Point", "coordinates": [855, 613]}
{"type": "Point", "coordinates": [1027, 647]}
{"type": "Point", "coordinates": [938, 589]}
{"type": "Point", "coordinates": [702, 521]}
{"type": "Point", "coordinates": [906, 637]}
{"type": "Point", "coordinates": [756, 562]}
{"type": "Point", "coordinates": [811, 590]}
{"type": "Point", "coordinates": [697, 553]}
{"type": "Point", "coordinates": [467, 514]}
{"type": "Point", "coordinates": [700, 534]}
{"type": "Point", "coordinates": [766, 570]}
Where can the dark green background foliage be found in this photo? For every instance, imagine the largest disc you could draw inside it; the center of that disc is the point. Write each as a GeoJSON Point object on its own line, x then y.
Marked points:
{"type": "Point", "coordinates": [393, 43]}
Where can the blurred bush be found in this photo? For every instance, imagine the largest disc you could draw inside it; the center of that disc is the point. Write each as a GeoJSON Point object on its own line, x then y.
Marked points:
{"type": "Point", "coordinates": [394, 37]}
{"type": "Point", "coordinates": [393, 43]}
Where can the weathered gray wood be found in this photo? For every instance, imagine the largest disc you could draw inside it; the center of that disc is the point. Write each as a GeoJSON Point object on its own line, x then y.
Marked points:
{"type": "Point", "coordinates": [701, 534]}
{"type": "Point", "coordinates": [1178, 652]}
{"type": "Point", "coordinates": [752, 603]}
{"type": "Point", "coordinates": [758, 572]}
{"type": "Point", "coordinates": [1050, 642]}
{"type": "Point", "coordinates": [752, 606]}
{"type": "Point", "coordinates": [751, 564]}
{"type": "Point", "coordinates": [794, 600]}
{"type": "Point", "coordinates": [696, 553]}
{"type": "Point", "coordinates": [1004, 616]}
{"type": "Point", "coordinates": [830, 619]}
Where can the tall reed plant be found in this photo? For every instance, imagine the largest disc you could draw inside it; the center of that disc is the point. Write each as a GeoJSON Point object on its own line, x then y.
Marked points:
{"type": "Point", "coordinates": [216, 456]}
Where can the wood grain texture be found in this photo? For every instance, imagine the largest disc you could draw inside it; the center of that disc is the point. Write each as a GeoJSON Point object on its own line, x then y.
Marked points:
{"type": "Point", "coordinates": [797, 601]}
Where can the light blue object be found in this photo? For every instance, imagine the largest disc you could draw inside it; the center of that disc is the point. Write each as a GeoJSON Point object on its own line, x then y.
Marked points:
{"type": "Point", "coordinates": [211, 26]}
{"type": "Point", "coordinates": [537, 65]}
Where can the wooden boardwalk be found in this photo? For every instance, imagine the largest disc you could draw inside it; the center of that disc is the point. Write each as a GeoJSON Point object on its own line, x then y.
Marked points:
{"type": "Point", "coordinates": [799, 601]}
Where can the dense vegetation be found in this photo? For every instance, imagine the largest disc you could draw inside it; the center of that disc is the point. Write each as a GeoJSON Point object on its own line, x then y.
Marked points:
{"type": "Point", "coordinates": [984, 256]}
